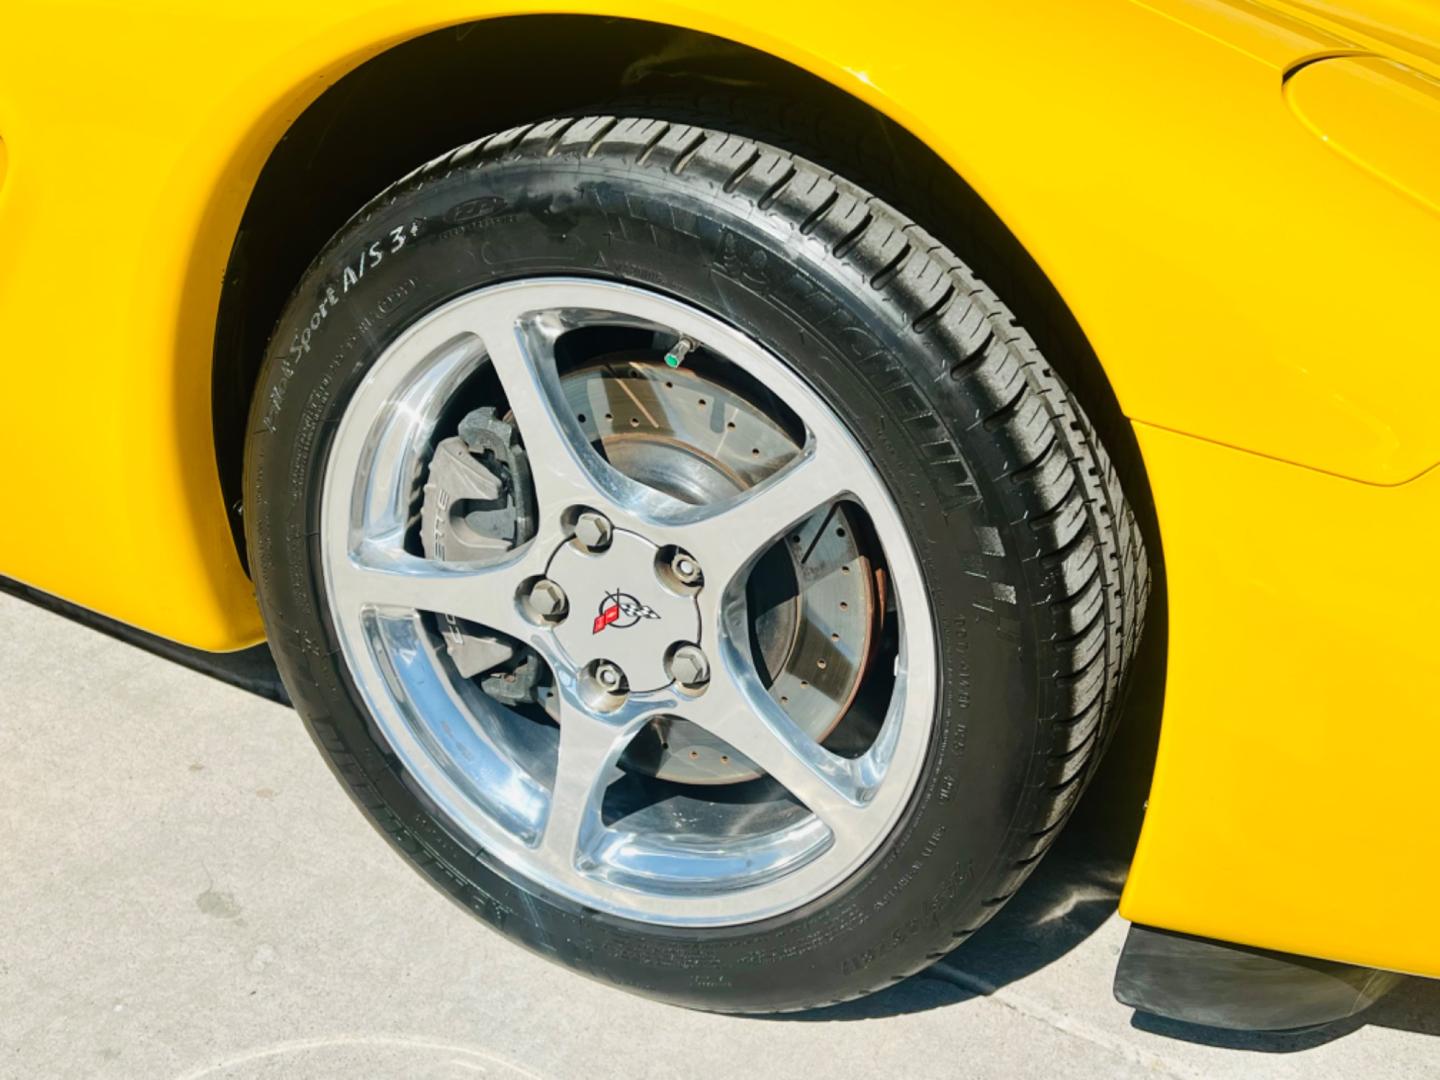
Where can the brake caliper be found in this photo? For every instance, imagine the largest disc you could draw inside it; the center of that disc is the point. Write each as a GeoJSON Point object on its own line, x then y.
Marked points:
{"type": "Point", "coordinates": [479, 503]}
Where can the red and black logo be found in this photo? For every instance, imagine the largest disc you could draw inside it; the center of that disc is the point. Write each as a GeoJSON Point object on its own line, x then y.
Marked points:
{"type": "Point", "coordinates": [621, 610]}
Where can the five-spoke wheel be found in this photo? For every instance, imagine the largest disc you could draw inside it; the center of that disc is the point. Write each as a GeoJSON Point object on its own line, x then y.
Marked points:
{"type": "Point", "coordinates": [637, 598]}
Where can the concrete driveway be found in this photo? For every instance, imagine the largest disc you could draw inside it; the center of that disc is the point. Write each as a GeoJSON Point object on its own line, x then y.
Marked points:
{"type": "Point", "coordinates": [186, 892]}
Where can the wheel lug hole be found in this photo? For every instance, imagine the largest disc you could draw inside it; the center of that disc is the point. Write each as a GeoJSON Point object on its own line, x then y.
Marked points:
{"type": "Point", "coordinates": [680, 570]}
{"type": "Point", "coordinates": [592, 531]}
{"type": "Point", "coordinates": [688, 665]}
{"type": "Point", "coordinates": [603, 685]}
{"type": "Point", "coordinates": [545, 602]}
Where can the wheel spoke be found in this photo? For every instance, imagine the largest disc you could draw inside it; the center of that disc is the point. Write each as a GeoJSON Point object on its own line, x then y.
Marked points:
{"type": "Point", "coordinates": [564, 466]}
{"type": "Point", "coordinates": [380, 576]}
{"type": "Point", "coordinates": [728, 540]}
{"type": "Point", "coordinates": [737, 708]}
{"type": "Point", "coordinates": [590, 747]}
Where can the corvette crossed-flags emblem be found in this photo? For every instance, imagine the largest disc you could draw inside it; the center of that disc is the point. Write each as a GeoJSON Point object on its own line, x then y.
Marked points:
{"type": "Point", "coordinates": [621, 610]}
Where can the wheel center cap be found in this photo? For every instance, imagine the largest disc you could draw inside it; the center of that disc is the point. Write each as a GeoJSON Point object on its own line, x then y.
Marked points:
{"type": "Point", "coordinates": [621, 609]}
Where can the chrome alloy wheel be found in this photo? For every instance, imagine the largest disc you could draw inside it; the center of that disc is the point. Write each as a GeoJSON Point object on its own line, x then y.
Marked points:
{"type": "Point", "coordinates": [633, 584]}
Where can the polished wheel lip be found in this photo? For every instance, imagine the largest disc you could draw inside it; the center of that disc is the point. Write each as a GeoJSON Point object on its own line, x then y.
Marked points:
{"type": "Point", "coordinates": [432, 723]}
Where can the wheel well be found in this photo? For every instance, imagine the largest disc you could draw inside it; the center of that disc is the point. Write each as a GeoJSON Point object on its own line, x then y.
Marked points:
{"type": "Point", "coordinates": [425, 96]}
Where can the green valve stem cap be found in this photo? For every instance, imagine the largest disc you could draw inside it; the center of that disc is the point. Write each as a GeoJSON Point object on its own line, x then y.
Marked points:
{"type": "Point", "coordinates": [678, 352]}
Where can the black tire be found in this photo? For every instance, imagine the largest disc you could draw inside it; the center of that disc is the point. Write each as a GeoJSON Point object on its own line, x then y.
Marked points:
{"type": "Point", "coordinates": [1032, 557]}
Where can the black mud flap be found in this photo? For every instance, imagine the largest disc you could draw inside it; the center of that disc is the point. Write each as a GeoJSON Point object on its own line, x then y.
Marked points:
{"type": "Point", "coordinates": [1200, 981]}
{"type": "Point", "coordinates": [250, 669]}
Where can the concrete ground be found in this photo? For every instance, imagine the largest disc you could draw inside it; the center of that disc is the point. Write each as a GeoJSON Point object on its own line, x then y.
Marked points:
{"type": "Point", "coordinates": [186, 892]}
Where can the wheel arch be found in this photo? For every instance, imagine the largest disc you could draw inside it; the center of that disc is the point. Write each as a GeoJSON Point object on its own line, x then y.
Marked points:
{"type": "Point", "coordinates": [459, 82]}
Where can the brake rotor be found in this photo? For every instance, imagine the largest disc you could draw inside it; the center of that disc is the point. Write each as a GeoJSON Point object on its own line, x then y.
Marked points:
{"type": "Point", "coordinates": [812, 597]}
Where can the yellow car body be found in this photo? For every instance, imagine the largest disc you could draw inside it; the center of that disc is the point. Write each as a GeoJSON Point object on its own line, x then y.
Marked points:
{"type": "Point", "coordinates": [1239, 203]}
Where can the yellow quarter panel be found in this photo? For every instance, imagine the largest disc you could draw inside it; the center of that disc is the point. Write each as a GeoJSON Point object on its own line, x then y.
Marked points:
{"type": "Point", "coordinates": [1293, 805]}
{"type": "Point", "coordinates": [1380, 115]}
{"type": "Point", "coordinates": [1411, 27]}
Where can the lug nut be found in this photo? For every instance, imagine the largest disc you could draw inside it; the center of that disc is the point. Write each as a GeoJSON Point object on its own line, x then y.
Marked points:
{"type": "Point", "coordinates": [689, 667]}
{"type": "Point", "coordinates": [609, 676]}
{"type": "Point", "coordinates": [685, 569]}
{"type": "Point", "coordinates": [547, 599]}
{"type": "Point", "coordinates": [593, 531]}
